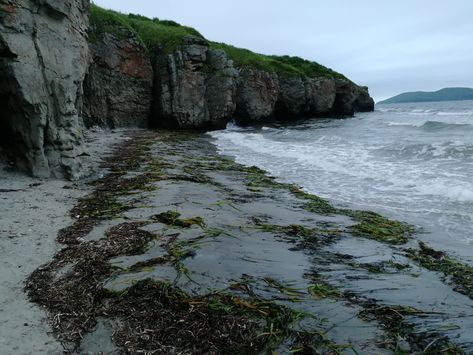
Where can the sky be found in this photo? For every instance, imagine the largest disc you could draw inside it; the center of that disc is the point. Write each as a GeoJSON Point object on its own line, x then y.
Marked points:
{"type": "Point", "coordinates": [389, 46]}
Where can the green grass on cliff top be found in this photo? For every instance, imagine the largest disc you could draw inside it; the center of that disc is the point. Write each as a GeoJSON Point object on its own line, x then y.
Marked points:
{"type": "Point", "coordinates": [169, 36]}
{"type": "Point", "coordinates": [285, 65]}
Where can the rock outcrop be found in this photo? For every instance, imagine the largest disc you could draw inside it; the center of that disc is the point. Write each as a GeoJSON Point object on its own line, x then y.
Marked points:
{"type": "Point", "coordinates": [263, 96]}
{"type": "Point", "coordinates": [198, 87]}
{"type": "Point", "coordinates": [320, 95]}
{"type": "Point", "coordinates": [194, 88]}
{"type": "Point", "coordinates": [351, 98]}
{"type": "Point", "coordinates": [43, 61]}
{"type": "Point", "coordinates": [117, 87]}
{"type": "Point", "coordinates": [51, 85]}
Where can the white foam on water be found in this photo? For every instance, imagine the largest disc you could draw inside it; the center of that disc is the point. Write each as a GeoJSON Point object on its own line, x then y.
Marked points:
{"type": "Point", "coordinates": [419, 169]}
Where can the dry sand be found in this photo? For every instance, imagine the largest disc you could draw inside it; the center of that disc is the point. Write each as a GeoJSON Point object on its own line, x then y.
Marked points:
{"type": "Point", "coordinates": [31, 213]}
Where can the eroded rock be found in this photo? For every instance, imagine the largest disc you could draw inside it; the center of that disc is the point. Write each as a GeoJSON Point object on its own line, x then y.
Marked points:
{"type": "Point", "coordinates": [117, 88]}
{"type": "Point", "coordinates": [43, 60]}
{"type": "Point", "coordinates": [194, 87]}
{"type": "Point", "coordinates": [257, 93]}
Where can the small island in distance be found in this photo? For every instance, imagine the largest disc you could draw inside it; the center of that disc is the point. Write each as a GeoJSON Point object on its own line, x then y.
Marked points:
{"type": "Point", "coordinates": [446, 94]}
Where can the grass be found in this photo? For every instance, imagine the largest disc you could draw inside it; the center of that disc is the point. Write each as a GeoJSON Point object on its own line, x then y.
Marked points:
{"type": "Point", "coordinates": [169, 36]}
{"type": "Point", "coordinates": [283, 65]}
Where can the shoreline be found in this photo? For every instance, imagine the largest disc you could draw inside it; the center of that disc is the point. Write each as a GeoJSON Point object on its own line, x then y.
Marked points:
{"type": "Point", "coordinates": [171, 209]}
{"type": "Point", "coordinates": [33, 211]}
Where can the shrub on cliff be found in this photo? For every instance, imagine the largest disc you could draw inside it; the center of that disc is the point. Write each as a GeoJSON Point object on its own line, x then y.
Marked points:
{"type": "Point", "coordinates": [169, 36]}
{"type": "Point", "coordinates": [283, 65]}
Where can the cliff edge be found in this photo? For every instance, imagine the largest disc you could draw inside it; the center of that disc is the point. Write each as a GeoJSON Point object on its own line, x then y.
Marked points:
{"type": "Point", "coordinates": [61, 75]}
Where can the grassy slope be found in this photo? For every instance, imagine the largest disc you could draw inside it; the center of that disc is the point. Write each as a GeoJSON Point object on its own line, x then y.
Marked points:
{"type": "Point", "coordinates": [169, 36]}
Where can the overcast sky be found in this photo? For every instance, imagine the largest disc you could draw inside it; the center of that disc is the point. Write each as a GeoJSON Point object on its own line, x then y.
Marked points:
{"type": "Point", "coordinates": [390, 46]}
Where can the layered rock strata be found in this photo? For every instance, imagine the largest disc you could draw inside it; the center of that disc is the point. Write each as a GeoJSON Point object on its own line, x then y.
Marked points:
{"type": "Point", "coordinates": [194, 88]}
{"type": "Point", "coordinates": [119, 81]}
{"type": "Point", "coordinates": [43, 61]}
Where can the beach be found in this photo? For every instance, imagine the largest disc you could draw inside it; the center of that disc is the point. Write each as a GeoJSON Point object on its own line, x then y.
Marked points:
{"type": "Point", "coordinates": [176, 231]}
{"type": "Point", "coordinates": [32, 213]}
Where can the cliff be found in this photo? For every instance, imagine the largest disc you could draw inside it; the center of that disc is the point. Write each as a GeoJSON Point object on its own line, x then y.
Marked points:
{"type": "Point", "coordinates": [447, 94]}
{"type": "Point", "coordinates": [61, 75]}
{"type": "Point", "coordinates": [43, 60]}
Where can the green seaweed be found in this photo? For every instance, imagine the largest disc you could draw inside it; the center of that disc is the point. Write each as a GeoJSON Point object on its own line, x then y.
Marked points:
{"type": "Point", "coordinates": [171, 218]}
{"type": "Point", "coordinates": [374, 226]}
{"type": "Point", "coordinates": [307, 238]}
{"type": "Point", "coordinates": [286, 288]}
{"type": "Point", "coordinates": [323, 290]}
{"type": "Point", "coordinates": [457, 273]}
{"type": "Point", "coordinates": [99, 206]}
{"type": "Point", "coordinates": [314, 203]}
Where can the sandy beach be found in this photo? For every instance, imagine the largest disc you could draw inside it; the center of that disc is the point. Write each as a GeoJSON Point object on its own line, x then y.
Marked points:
{"type": "Point", "coordinates": [32, 211]}
{"type": "Point", "coordinates": [246, 263]}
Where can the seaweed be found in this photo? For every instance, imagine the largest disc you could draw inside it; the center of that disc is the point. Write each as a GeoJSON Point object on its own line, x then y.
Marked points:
{"type": "Point", "coordinates": [171, 218]}
{"type": "Point", "coordinates": [304, 237]}
{"type": "Point", "coordinates": [458, 274]}
{"type": "Point", "coordinates": [374, 226]}
{"type": "Point", "coordinates": [314, 203]}
{"type": "Point", "coordinates": [157, 316]}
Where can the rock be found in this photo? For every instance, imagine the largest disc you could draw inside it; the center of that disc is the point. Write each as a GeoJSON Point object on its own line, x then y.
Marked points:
{"type": "Point", "coordinates": [43, 60]}
{"type": "Point", "coordinates": [320, 94]}
{"type": "Point", "coordinates": [364, 102]}
{"type": "Point", "coordinates": [194, 87]}
{"type": "Point", "coordinates": [118, 85]}
{"type": "Point", "coordinates": [256, 95]}
{"type": "Point", "coordinates": [292, 100]}
{"type": "Point", "coordinates": [346, 94]}
{"type": "Point", "coordinates": [351, 98]}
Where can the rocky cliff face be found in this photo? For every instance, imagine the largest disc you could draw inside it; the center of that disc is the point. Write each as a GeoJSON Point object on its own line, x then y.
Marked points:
{"type": "Point", "coordinates": [256, 95]}
{"type": "Point", "coordinates": [117, 88]}
{"type": "Point", "coordinates": [43, 60]}
{"type": "Point", "coordinates": [197, 87]}
{"type": "Point", "coordinates": [194, 88]}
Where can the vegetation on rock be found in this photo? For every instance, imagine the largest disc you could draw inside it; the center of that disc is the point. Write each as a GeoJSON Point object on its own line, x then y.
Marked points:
{"type": "Point", "coordinates": [170, 36]}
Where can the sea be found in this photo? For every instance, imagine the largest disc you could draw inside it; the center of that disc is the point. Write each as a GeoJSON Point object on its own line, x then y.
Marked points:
{"type": "Point", "coordinates": [412, 162]}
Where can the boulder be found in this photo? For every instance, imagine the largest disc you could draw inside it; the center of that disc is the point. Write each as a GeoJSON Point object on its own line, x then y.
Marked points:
{"type": "Point", "coordinates": [43, 60]}
{"type": "Point", "coordinates": [118, 85]}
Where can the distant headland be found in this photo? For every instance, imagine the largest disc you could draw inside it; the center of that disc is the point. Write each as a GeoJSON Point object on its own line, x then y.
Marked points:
{"type": "Point", "coordinates": [446, 94]}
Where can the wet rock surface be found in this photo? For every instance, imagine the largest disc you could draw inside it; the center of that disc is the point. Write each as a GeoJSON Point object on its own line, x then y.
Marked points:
{"type": "Point", "coordinates": [118, 85]}
{"type": "Point", "coordinates": [245, 263]}
{"type": "Point", "coordinates": [43, 60]}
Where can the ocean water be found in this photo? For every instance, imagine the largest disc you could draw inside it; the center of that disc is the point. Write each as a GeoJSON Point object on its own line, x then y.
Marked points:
{"type": "Point", "coordinates": [413, 162]}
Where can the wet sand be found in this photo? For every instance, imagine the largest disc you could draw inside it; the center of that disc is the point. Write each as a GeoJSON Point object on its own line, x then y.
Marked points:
{"type": "Point", "coordinates": [174, 230]}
